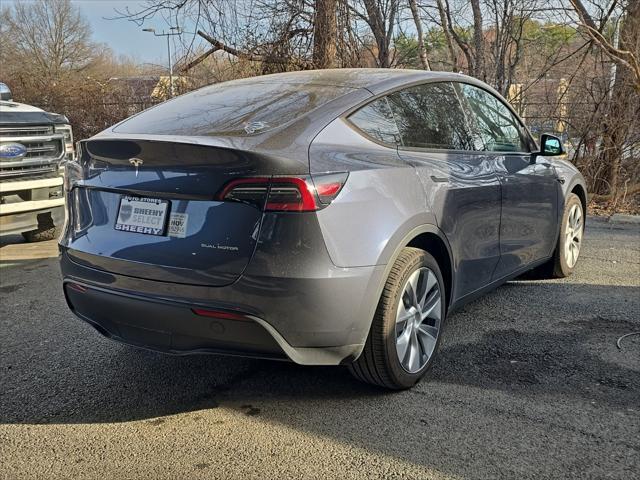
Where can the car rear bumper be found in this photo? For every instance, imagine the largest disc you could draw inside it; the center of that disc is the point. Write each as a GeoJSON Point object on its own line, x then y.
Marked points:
{"type": "Point", "coordinates": [320, 319]}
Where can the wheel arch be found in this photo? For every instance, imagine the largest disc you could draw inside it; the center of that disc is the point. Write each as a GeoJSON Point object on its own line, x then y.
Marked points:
{"type": "Point", "coordinates": [430, 238]}
{"type": "Point", "coordinates": [438, 248]}
{"type": "Point", "coordinates": [426, 236]}
{"type": "Point", "coordinates": [581, 192]}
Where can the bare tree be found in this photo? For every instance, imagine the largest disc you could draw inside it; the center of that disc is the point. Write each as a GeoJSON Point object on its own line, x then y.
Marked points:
{"type": "Point", "coordinates": [506, 41]}
{"type": "Point", "coordinates": [624, 102]}
{"type": "Point", "coordinates": [47, 40]}
{"type": "Point", "coordinates": [325, 34]}
{"type": "Point", "coordinates": [473, 50]}
{"type": "Point", "coordinates": [555, 60]}
{"type": "Point", "coordinates": [628, 53]}
{"type": "Point", "coordinates": [447, 35]}
{"type": "Point", "coordinates": [462, 43]}
{"type": "Point", "coordinates": [422, 50]}
{"type": "Point", "coordinates": [478, 40]}
{"type": "Point", "coordinates": [381, 17]}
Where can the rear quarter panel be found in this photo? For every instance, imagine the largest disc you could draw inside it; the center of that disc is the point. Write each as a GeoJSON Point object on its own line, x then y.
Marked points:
{"type": "Point", "coordinates": [381, 202]}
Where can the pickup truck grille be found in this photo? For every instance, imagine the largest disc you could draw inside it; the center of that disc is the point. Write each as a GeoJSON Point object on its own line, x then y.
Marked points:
{"type": "Point", "coordinates": [27, 170]}
{"type": "Point", "coordinates": [26, 131]}
{"type": "Point", "coordinates": [42, 149]}
{"type": "Point", "coordinates": [45, 150]}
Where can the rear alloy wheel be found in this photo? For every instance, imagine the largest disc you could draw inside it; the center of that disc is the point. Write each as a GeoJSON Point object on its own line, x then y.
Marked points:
{"type": "Point", "coordinates": [407, 326]}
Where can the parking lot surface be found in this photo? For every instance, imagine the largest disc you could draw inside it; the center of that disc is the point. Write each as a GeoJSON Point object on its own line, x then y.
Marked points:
{"type": "Point", "coordinates": [529, 383]}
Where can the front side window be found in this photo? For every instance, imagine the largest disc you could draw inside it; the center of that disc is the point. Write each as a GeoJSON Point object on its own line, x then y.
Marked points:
{"type": "Point", "coordinates": [376, 120]}
{"type": "Point", "coordinates": [430, 116]}
{"type": "Point", "coordinates": [496, 125]}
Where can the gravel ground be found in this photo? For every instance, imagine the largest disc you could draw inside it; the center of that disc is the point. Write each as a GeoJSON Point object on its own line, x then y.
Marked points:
{"type": "Point", "coordinates": [529, 384]}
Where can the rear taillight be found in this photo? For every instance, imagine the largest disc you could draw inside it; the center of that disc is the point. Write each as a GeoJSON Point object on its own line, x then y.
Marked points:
{"type": "Point", "coordinates": [246, 190]}
{"type": "Point", "coordinates": [291, 194]}
{"type": "Point", "coordinates": [285, 194]}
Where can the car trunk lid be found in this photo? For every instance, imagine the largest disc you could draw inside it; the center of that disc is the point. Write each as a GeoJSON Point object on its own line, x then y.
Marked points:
{"type": "Point", "coordinates": [198, 240]}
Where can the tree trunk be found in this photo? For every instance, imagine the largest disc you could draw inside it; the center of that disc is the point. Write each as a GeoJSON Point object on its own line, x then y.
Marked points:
{"type": "Point", "coordinates": [624, 109]}
{"type": "Point", "coordinates": [464, 46]}
{"type": "Point", "coordinates": [478, 41]}
{"type": "Point", "coordinates": [382, 28]}
{"type": "Point", "coordinates": [325, 34]}
{"type": "Point", "coordinates": [453, 58]}
{"type": "Point", "coordinates": [422, 50]}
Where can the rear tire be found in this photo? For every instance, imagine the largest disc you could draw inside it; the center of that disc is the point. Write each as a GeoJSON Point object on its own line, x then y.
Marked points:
{"type": "Point", "coordinates": [405, 334]}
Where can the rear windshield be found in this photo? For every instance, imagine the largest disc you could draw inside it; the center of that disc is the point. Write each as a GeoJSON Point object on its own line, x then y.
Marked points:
{"type": "Point", "coordinates": [232, 108]}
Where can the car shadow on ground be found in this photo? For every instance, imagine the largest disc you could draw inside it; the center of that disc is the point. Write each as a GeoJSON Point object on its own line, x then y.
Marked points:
{"type": "Point", "coordinates": [510, 363]}
{"type": "Point", "coordinates": [83, 378]}
{"type": "Point", "coordinates": [529, 373]}
{"type": "Point", "coordinates": [15, 251]}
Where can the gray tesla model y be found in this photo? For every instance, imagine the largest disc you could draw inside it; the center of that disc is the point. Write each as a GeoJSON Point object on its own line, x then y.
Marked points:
{"type": "Point", "coordinates": [330, 217]}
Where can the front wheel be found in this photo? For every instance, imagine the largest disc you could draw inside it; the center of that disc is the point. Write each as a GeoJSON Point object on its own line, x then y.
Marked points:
{"type": "Point", "coordinates": [569, 244]}
{"type": "Point", "coordinates": [42, 234]}
{"type": "Point", "coordinates": [407, 327]}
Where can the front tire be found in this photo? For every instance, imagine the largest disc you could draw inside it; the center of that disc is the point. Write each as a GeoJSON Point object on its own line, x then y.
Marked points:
{"type": "Point", "coordinates": [407, 326]}
{"type": "Point", "coordinates": [568, 246]}
{"type": "Point", "coordinates": [46, 230]}
{"type": "Point", "coordinates": [567, 251]}
{"type": "Point", "coordinates": [43, 233]}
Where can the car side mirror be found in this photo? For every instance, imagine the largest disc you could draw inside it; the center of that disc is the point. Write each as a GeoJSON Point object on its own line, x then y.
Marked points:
{"type": "Point", "coordinates": [550, 146]}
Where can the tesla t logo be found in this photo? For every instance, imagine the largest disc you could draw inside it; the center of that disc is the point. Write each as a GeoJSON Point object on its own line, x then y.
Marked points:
{"type": "Point", "coordinates": [136, 162]}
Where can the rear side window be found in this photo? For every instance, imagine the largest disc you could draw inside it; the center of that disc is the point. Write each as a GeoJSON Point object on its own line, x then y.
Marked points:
{"type": "Point", "coordinates": [237, 108]}
{"type": "Point", "coordinates": [430, 116]}
{"type": "Point", "coordinates": [498, 128]}
{"type": "Point", "coordinates": [376, 120]}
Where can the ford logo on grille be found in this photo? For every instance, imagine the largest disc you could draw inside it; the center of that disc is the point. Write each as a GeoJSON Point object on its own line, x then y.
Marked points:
{"type": "Point", "coordinates": [12, 151]}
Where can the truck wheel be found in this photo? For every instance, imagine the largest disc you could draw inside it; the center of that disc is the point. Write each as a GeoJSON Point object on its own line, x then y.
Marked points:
{"type": "Point", "coordinates": [407, 327]}
{"type": "Point", "coordinates": [41, 234]}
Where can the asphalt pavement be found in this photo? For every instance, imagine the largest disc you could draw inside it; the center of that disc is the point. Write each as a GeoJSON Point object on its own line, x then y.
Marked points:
{"type": "Point", "coordinates": [529, 384]}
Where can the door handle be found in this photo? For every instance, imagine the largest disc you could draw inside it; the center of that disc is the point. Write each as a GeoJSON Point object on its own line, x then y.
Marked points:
{"type": "Point", "coordinates": [439, 179]}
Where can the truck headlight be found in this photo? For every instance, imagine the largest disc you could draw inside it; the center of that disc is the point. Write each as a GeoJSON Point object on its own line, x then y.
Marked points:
{"type": "Point", "coordinates": [65, 130]}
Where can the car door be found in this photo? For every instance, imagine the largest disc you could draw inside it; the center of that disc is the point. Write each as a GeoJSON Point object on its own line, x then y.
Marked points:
{"type": "Point", "coordinates": [460, 185]}
{"type": "Point", "coordinates": [530, 191]}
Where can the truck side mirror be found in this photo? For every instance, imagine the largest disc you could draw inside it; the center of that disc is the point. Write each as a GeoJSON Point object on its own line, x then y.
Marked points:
{"type": "Point", "coordinates": [5, 93]}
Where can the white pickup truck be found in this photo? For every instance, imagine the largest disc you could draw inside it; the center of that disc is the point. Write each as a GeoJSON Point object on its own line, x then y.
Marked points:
{"type": "Point", "coordinates": [34, 145]}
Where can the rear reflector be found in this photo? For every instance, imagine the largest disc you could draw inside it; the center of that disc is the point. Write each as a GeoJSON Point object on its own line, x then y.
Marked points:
{"type": "Point", "coordinates": [219, 314]}
{"type": "Point", "coordinates": [328, 186]}
{"type": "Point", "coordinates": [76, 287]}
{"type": "Point", "coordinates": [285, 194]}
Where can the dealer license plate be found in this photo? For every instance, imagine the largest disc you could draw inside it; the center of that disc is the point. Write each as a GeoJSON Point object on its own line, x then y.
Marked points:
{"type": "Point", "coordinates": [142, 215]}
